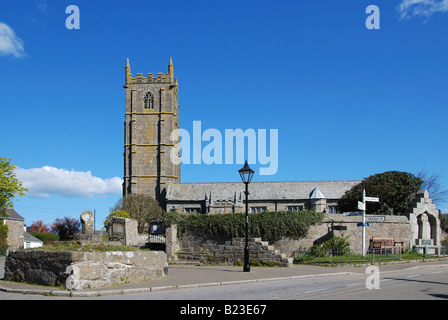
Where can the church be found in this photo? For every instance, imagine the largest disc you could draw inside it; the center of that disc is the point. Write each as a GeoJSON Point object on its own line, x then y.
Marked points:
{"type": "Point", "coordinates": [152, 113]}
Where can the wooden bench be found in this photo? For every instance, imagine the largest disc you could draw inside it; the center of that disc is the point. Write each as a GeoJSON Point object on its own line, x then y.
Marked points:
{"type": "Point", "coordinates": [381, 245]}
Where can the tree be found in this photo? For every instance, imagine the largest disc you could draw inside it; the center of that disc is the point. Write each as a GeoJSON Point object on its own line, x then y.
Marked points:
{"type": "Point", "coordinates": [39, 226]}
{"type": "Point", "coordinates": [431, 182]}
{"type": "Point", "coordinates": [66, 228]}
{"type": "Point", "coordinates": [119, 213]}
{"type": "Point", "coordinates": [444, 222]}
{"type": "Point", "coordinates": [141, 207]}
{"type": "Point", "coordinates": [10, 186]}
{"type": "Point", "coordinates": [394, 188]}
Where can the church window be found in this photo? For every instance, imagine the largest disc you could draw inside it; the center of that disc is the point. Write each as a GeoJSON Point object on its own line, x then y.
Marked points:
{"type": "Point", "coordinates": [192, 210]}
{"type": "Point", "coordinates": [295, 208]}
{"type": "Point", "coordinates": [258, 209]}
{"type": "Point", "coordinates": [332, 209]}
{"type": "Point", "coordinates": [149, 101]}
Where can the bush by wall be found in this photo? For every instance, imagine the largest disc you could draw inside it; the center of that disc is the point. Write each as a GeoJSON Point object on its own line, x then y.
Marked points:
{"type": "Point", "coordinates": [3, 238]}
{"type": "Point", "coordinates": [47, 238]}
{"type": "Point", "coordinates": [270, 226]}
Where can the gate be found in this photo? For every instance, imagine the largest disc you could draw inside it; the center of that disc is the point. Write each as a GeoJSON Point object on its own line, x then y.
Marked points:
{"type": "Point", "coordinates": [157, 236]}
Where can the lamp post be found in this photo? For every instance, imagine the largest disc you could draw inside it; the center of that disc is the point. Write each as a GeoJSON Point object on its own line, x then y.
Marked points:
{"type": "Point", "coordinates": [246, 174]}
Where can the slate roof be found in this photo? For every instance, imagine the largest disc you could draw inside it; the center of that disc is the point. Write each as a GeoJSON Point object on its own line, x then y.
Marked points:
{"type": "Point", "coordinates": [286, 190]}
{"type": "Point", "coordinates": [13, 215]}
{"type": "Point", "coordinates": [30, 238]}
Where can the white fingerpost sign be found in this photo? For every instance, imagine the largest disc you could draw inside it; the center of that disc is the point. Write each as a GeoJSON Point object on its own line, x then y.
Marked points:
{"type": "Point", "coordinates": [362, 207]}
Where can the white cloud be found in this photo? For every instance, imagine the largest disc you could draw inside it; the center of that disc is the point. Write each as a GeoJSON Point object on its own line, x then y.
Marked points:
{"type": "Point", "coordinates": [411, 8]}
{"type": "Point", "coordinates": [10, 43]}
{"type": "Point", "coordinates": [47, 181]}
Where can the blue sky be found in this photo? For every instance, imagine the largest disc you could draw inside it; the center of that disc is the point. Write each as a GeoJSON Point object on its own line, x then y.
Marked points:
{"type": "Point", "coordinates": [348, 102]}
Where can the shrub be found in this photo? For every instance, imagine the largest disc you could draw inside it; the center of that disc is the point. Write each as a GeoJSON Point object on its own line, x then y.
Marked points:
{"type": "Point", "coordinates": [66, 228]}
{"type": "Point", "coordinates": [76, 246]}
{"type": "Point", "coordinates": [47, 238]}
{"type": "Point", "coordinates": [270, 226]}
{"type": "Point", "coordinates": [141, 207]}
{"type": "Point", "coordinates": [3, 238]}
{"type": "Point", "coordinates": [444, 222]}
{"type": "Point", "coordinates": [335, 245]}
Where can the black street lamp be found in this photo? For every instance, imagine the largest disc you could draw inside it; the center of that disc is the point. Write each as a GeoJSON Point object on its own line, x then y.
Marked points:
{"type": "Point", "coordinates": [246, 174]}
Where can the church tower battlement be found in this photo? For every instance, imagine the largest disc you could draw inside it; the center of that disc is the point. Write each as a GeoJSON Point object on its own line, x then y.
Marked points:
{"type": "Point", "coordinates": [152, 113]}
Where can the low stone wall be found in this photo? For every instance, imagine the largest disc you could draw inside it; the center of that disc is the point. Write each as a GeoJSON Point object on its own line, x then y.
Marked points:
{"type": "Point", "coordinates": [83, 270]}
{"type": "Point", "coordinates": [397, 227]}
{"type": "Point", "coordinates": [232, 252]}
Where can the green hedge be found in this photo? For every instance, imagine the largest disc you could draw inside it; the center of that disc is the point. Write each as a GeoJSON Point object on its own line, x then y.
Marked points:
{"type": "Point", "coordinates": [45, 237]}
{"type": "Point", "coordinates": [270, 226]}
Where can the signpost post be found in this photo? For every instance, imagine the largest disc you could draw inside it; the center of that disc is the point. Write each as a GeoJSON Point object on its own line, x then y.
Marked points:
{"type": "Point", "coordinates": [362, 207]}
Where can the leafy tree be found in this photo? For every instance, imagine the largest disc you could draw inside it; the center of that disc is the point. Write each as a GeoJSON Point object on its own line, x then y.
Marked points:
{"type": "Point", "coordinates": [10, 186]}
{"type": "Point", "coordinates": [38, 226]}
{"type": "Point", "coordinates": [444, 222]}
{"type": "Point", "coordinates": [141, 207]}
{"type": "Point", "coordinates": [394, 188]}
{"type": "Point", "coordinates": [66, 228]}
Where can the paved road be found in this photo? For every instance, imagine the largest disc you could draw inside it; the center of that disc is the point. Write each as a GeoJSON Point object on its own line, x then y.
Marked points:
{"type": "Point", "coordinates": [411, 284]}
{"type": "Point", "coordinates": [420, 282]}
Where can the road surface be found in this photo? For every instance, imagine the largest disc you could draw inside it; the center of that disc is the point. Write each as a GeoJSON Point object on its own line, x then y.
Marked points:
{"type": "Point", "coordinates": [419, 283]}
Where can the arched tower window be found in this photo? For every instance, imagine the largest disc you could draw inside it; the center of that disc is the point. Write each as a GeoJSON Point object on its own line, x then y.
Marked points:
{"type": "Point", "coordinates": [149, 101]}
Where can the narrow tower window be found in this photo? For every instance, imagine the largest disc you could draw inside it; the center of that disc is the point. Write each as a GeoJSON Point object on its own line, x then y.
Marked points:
{"type": "Point", "coordinates": [149, 101]}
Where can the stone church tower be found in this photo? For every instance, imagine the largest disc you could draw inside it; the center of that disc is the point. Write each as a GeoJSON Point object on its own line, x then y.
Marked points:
{"type": "Point", "coordinates": [152, 113]}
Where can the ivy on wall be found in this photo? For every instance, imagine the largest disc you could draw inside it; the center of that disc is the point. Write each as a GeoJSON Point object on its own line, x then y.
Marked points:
{"type": "Point", "coordinates": [269, 226]}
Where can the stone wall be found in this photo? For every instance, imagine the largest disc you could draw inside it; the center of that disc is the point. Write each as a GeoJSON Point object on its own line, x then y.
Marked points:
{"type": "Point", "coordinates": [82, 270]}
{"type": "Point", "coordinates": [397, 227]}
{"type": "Point", "coordinates": [126, 231]}
{"type": "Point", "coordinates": [15, 233]}
{"type": "Point", "coordinates": [172, 245]}
{"type": "Point", "coordinates": [232, 252]}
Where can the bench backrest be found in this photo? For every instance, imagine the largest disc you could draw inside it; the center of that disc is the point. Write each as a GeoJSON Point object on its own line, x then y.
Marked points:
{"type": "Point", "coordinates": [386, 241]}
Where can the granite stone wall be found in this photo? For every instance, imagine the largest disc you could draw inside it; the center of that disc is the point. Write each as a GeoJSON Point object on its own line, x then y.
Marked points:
{"type": "Point", "coordinates": [232, 252]}
{"type": "Point", "coordinates": [397, 227]}
{"type": "Point", "coordinates": [15, 233]}
{"type": "Point", "coordinates": [198, 247]}
{"type": "Point", "coordinates": [83, 270]}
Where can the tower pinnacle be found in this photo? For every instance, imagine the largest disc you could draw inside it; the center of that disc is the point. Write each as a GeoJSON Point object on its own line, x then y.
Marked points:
{"type": "Point", "coordinates": [128, 74]}
{"type": "Point", "coordinates": [170, 70]}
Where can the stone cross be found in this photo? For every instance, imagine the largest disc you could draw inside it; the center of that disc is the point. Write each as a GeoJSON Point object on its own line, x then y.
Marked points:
{"type": "Point", "coordinates": [87, 222]}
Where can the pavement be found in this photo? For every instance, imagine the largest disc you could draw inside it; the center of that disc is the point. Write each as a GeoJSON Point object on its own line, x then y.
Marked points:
{"type": "Point", "coordinates": [181, 276]}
